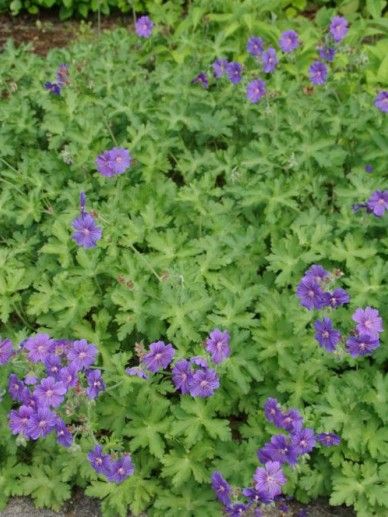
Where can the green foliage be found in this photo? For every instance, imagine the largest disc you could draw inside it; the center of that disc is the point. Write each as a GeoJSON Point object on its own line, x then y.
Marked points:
{"type": "Point", "coordinates": [225, 207]}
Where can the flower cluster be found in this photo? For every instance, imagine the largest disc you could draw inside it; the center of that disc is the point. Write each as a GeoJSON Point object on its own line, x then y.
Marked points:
{"type": "Point", "coordinates": [377, 203]}
{"type": "Point", "coordinates": [190, 376]}
{"type": "Point", "coordinates": [280, 450]}
{"type": "Point", "coordinates": [114, 161]}
{"type": "Point", "coordinates": [116, 470]}
{"type": "Point", "coordinates": [62, 80]}
{"type": "Point", "coordinates": [86, 232]}
{"type": "Point", "coordinates": [364, 339]}
{"type": "Point", "coordinates": [56, 368]}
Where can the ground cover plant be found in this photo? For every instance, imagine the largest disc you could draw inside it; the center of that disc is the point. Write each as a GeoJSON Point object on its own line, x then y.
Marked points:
{"type": "Point", "coordinates": [194, 257]}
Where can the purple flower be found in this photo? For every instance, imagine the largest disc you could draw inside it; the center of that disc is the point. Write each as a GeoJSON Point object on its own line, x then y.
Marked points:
{"type": "Point", "coordinates": [201, 79]}
{"type": "Point", "coordinates": [114, 161]}
{"type": "Point", "coordinates": [316, 273]}
{"type": "Point", "coordinates": [327, 54]}
{"type": "Point", "coordinates": [30, 379]}
{"type": "Point", "coordinates": [181, 375]}
{"type": "Point", "coordinates": [221, 488]}
{"type": "Point", "coordinates": [368, 168]}
{"type": "Point", "coordinates": [338, 297]}
{"type": "Point", "coordinates": [289, 41]}
{"type": "Point", "coordinates": [198, 360]}
{"type": "Point", "coordinates": [252, 494]}
{"type": "Point", "coordinates": [63, 75]}
{"type": "Point", "coordinates": [16, 388]}
{"type": "Point", "coordinates": [272, 410]}
{"type": "Point", "coordinates": [368, 322]}
{"type": "Point", "coordinates": [144, 26]}
{"type": "Point", "coordinates": [318, 72]}
{"type": "Point", "coordinates": [69, 376]}
{"type": "Point", "coordinates": [159, 356]}
{"type": "Point", "coordinates": [121, 469]}
{"type": "Point", "coordinates": [41, 423]}
{"type": "Point", "coordinates": [269, 479]}
{"type": "Point", "coordinates": [255, 90]}
{"type": "Point", "coordinates": [136, 371]}
{"type": "Point", "coordinates": [99, 461]}
{"type": "Point", "coordinates": [53, 365]}
{"type": "Point", "coordinates": [203, 383]}
{"type": "Point", "coordinates": [64, 436]}
{"type": "Point", "coordinates": [219, 68]}
{"type": "Point", "coordinates": [270, 60]}
{"type": "Point", "coordinates": [338, 28]}
{"type": "Point", "coordinates": [310, 294]}
{"type": "Point", "coordinates": [291, 421]}
{"type": "Point", "coordinates": [381, 101]}
{"type": "Point", "coordinates": [326, 335]}
{"type": "Point", "coordinates": [53, 88]}
{"type": "Point", "coordinates": [279, 449]}
{"type": "Point", "coordinates": [82, 354]}
{"type": "Point", "coordinates": [60, 347]}
{"type": "Point", "coordinates": [234, 72]}
{"type": "Point", "coordinates": [217, 344]}
{"type": "Point", "coordinates": [365, 344]}
{"type": "Point", "coordinates": [6, 351]}
{"type": "Point", "coordinates": [236, 510]}
{"type": "Point", "coordinates": [378, 203]}
{"type": "Point", "coordinates": [328, 439]}
{"type": "Point", "coordinates": [87, 233]}
{"type": "Point", "coordinates": [95, 384]}
{"type": "Point", "coordinates": [38, 347]}
{"type": "Point", "coordinates": [50, 392]}
{"type": "Point", "coordinates": [303, 441]}
{"type": "Point", "coordinates": [19, 420]}
{"type": "Point", "coordinates": [255, 46]}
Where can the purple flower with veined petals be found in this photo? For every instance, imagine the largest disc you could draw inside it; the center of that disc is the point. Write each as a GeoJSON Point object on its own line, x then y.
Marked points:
{"type": "Point", "coordinates": [69, 376]}
{"type": "Point", "coordinates": [53, 88]}
{"type": "Point", "coordinates": [291, 421]}
{"type": "Point", "coordinates": [99, 461]}
{"type": "Point", "coordinates": [255, 46]}
{"type": "Point", "coordinates": [264, 455]}
{"type": "Point", "coordinates": [279, 449]}
{"type": "Point", "coordinates": [368, 321]}
{"type": "Point", "coordinates": [318, 73]}
{"type": "Point", "coordinates": [219, 68]}
{"type": "Point", "coordinates": [86, 233]}
{"type": "Point", "coordinates": [327, 54]}
{"type": "Point", "coordinates": [144, 26]}
{"type": "Point", "coordinates": [381, 101]}
{"type": "Point", "coordinates": [358, 346]}
{"type": "Point", "coordinates": [29, 400]}
{"type": "Point", "coordinates": [310, 294]}
{"type": "Point", "coordinates": [82, 354]}
{"type": "Point", "coordinates": [53, 365]}
{"type": "Point", "coordinates": [203, 383]}
{"type": "Point", "coordinates": [255, 90]}
{"type": "Point", "coordinates": [114, 161]}
{"type": "Point", "coordinates": [338, 28]}
{"type": "Point", "coordinates": [270, 60]}
{"type": "Point", "coordinates": [326, 335]}
{"type": "Point", "coordinates": [38, 347]}
{"type": "Point", "coordinates": [50, 392]}
{"type": "Point", "coordinates": [234, 72]}
{"type": "Point", "coordinates": [201, 79]}
{"type": "Point", "coordinates": [181, 375]}
{"type": "Point", "coordinates": [338, 297]}
{"type": "Point", "coordinates": [95, 384]}
{"type": "Point", "coordinates": [316, 273]}
{"type": "Point", "coordinates": [289, 41]}
{"type": "Point", "coordinates": [64, 436]}
{"type": "Point", "coordinates": [16, 388]}
{"type": "Point", "coordinates": [63, 75]}
{"type": "Point", "coordinates": [269, 479]}
{"type": "Point", "coordinates": [159, 356]}
{"type": "Point", "coordinates": [6, 351]}
{"type": "Point", "coordinates": [136, 371]}
{"type": "Point", "coordinates": [121, 469]}
{"type": "Point", "coordinates": [41, 423]}
{"type": "Point", "coordinates": [217, 344]}
{"type": "Point", "coordinates": [328, 439]}
{"type": "Point", "coordinates": [19, 420]}
{"type": "Point", "coordinates": [236, 510]}
{"type": "Point", "coordinates": [378, 203]}
{"type": "Point", "coordinates": [60, 347]}
{"type": "Point", "coordinates": [221, 488]}
{"type": "Point", "coordinates": [303, 441]}
{"type": "Point", "coordinates": [272, 410]}
{"type": "Point", "coordinates": [198, 360]}
{"type": "Point", "coordinates": [253, 495]}
{"type": "Point", "coordinates": [30, 379]}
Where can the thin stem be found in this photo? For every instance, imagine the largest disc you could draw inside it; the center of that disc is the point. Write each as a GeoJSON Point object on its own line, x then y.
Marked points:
{"type": "Point", "coordinates": [110, 131]}
{"type": "Point", "coordinates": [9, 165]}
{"type": "Point", "coordinates": [145, 261]}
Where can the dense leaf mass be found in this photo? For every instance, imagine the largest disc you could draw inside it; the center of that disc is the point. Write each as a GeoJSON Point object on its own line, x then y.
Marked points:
{"type": "Point", "coordinates": [226, 204]}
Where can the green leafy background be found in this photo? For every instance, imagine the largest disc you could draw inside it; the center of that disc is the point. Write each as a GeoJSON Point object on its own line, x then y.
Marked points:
{"type": "Point", "coordinates": [226, 206]}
